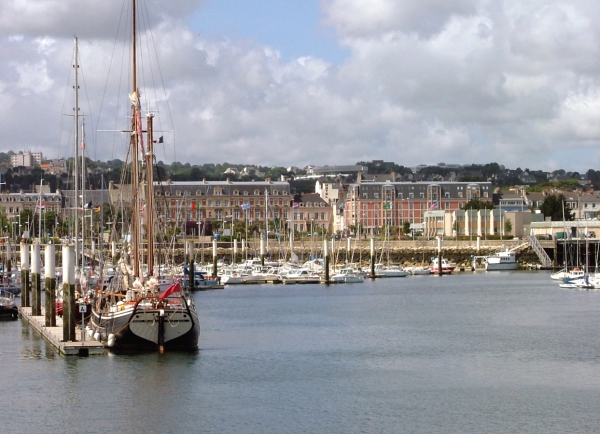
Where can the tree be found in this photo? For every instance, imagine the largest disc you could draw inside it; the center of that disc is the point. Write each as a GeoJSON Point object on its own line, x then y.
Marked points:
{"type": "Point", "coordinates": [406, 227]}
{"type": "Point", "coordinates": [508, 227]}
{"type": "Point", "coordinates": [555, 207]}
{"type": "Point", "coordinates": [477, 203]}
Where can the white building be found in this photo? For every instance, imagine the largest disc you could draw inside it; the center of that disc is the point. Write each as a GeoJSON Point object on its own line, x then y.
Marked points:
{"type": "Point", "coordinates": [26, 159]}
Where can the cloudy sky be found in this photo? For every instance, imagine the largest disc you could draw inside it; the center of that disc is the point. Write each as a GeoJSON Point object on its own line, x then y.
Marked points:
{"type": "Point", "coordinates": [296, 82]}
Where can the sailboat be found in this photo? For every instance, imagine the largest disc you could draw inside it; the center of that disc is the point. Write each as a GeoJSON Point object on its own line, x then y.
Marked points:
{"type": "Point", "coordinates": [135, 311]}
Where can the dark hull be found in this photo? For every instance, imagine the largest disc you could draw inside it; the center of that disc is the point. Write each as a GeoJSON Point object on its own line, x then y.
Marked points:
{"type": "Point", "coordinates": [9, 313]}
{"type": "Point", "coordinates": [143, 329]}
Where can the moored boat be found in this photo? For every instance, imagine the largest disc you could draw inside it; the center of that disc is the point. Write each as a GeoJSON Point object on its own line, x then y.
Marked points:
{"type": "Point", "coordinates": [133, 312]}
{"type": "Point", "coordinates": [505, 260]}
{"type": "Point", "coordinates": [447, 267]}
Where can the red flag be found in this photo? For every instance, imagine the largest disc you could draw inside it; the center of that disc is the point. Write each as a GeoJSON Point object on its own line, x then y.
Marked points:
{"type": "Point", "coordinates": [176, 287]}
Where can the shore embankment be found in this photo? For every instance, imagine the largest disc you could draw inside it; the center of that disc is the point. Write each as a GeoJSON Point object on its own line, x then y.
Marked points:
{"type": "Point", "coordinates": [404, 253]}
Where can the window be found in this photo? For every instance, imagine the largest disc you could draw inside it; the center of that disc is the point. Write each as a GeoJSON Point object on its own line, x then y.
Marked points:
{"type": "Point", "coordinates": [198, 193]}
{"type": "Point", "coordinates": [245, 193]}
{"type": "Point", "coordinates": [210, 203]}
{"type": "Point", "coordinates": [256, 192]}
{"type": "Point", "coordinates": [411, 195]}
{"type": "Point", "coordinates": [257, 214]}
{"type": "Point", "coordinates": [447, 205]}
{"type": "Point", "coordinates": [399, 195]}
{"type": "Point", "coordinates": [301, 216]}
{"type": "Point", "coordinates": [275, 192]}
{"type": "Point", "coordinates": [365, 196]}
{"type": "Point", "coordinates": [218, 203]}
{"type": "Point", "coordinates": [422, 195]}
{"type": "Point", "coordinates": [236, 192]}
{"type": "Point", "coordinates": [322, 216]}
{"type": "Point", "coordinates": [376, 195]}
{"type": "Point", "coordinates": [178, 193]}
{"type": "Point", "coordinates": [447, 195]}
{"type": "Point", "coordinates": [285, 214]}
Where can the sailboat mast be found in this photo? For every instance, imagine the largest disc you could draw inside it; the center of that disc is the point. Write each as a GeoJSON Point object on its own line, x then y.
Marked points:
{"type": "Point", "coordinates": [83, 207]}
{"type": "Point", "coordinates": [136, 129]}
{"type": "Point", "coordinates": [149, 158]}
{"type": "Point", "coordinates": [75, 204]}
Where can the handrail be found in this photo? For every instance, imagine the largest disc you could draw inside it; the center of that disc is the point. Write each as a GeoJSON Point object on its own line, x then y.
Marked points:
{"type": "Point", "coordinates": [539, 250]}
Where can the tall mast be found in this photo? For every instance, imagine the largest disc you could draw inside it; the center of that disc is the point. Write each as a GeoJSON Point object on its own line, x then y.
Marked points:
{"type": "Point", "coordinates": [135, 139]}
{"type": "Point", "coordinates": [149, 158]}
{"type": "Point", "coordinates": [83, 203]}
{"type": "Point", "coordinates": [75, 205]}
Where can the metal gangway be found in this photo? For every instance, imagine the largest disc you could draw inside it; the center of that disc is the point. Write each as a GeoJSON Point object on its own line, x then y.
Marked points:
{"type": "Point", "coordinates": [539, 250]}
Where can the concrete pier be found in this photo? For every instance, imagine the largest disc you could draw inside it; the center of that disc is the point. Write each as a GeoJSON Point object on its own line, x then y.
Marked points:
{"type": "Point", "coordinates": [54, 335]}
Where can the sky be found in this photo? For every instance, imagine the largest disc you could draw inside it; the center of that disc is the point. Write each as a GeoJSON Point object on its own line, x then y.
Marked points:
{"type": "Point", "coordinates": [321, 82]}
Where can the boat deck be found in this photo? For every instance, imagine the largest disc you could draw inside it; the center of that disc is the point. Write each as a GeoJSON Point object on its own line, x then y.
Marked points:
{"type": "Point", "coordinates": [54, 336]}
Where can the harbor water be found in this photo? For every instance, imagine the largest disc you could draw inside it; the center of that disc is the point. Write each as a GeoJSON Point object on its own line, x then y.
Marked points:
{"type": "Point", "coordinates": [504, 352]}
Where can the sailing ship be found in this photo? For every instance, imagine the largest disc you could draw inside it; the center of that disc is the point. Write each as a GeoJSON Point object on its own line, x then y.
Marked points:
{"type": "Point", "coordinates": [134, 311]}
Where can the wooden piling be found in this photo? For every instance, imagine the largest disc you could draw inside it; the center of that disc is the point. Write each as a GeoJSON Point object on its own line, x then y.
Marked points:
{"type": "Point", "coordinates": [372, 258]}
{"type": "Point", "coordinates": [50, 285]}
{"type": "Point", "coordinates": [214, 257]}
{"type": "Point", "coordinates": [36, 281]}
{"type": "Point", "coordinates": [440, 268]}
{"type": "Point", "coordinates": [68, 289]}
{"type": "Point", "coordinates": [326, 255]}
{"type": "Point", "coordinates": [25, 284]}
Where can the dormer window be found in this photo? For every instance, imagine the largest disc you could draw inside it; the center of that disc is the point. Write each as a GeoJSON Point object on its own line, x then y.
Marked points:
{"type": "Point", "coordinates": [167, 193]}
{"type": "Point", "coordinates": [198, 192]}
{"type": "Point", "coordinates": [275, 192]}
{"type": "Point", "coordinates": [256, 192]}
{"type": "Point", "coordinates": [236, 192]}
{"type": "Point", "coordinates": [178, 193]}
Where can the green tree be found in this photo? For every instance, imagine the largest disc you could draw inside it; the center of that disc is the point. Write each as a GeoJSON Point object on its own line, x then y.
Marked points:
{"type": "Point", "coordinates": [555, 207]}
{"type": "Point", "coordinates": [508, 227]}
{"type": "Point", "coordinates": [406, 227]}
{"type": "Point", "coordinates": [477, 203]}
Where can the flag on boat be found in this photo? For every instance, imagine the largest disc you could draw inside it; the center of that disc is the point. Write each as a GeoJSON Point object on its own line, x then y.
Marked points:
{"type": "Point", "coordinates": [176, 287]}
{"type": "Point", "coordinates": [295, 205]}
{"type": "Point", "coordinates": [434, 206]}
{"type": "Point", "coordinates": [42, 206]}
{"type": "Point", "coordinates": [89, 205]}
{"type": "Point", "coordinates": [160, 140]}
{"type": "Point", "coordinates": [195, 205]}
{"type": "Point", "coordinates": [98, 208]}
{"type": "Point", "coordinates": [246, 206]}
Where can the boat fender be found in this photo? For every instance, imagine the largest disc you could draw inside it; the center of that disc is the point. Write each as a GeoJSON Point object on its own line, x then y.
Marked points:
{"type": "Point", "coordinates": [111, 340]}
{"type": "Point", "coordinates": [97, 336]}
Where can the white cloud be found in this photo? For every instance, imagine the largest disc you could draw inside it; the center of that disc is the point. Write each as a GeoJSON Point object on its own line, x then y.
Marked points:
{"type": "Point", "coordinates": [426, 81]}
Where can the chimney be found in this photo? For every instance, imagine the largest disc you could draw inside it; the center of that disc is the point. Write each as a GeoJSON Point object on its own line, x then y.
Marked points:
{"type": "Point", "coordinates": [393, 176]}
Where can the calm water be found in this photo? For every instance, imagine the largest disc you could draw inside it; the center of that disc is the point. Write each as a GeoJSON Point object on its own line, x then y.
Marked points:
{"type": "Point", "coordinates": [474, 353]}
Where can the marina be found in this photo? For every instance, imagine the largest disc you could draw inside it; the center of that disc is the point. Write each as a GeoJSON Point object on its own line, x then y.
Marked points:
{"type": "Point", "coordinates": [468, 352]}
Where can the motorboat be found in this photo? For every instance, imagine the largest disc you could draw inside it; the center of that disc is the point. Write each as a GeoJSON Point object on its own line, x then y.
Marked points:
{"type": "Point", "coordinates": [447, 267]}
{"type": "Point", "coordinates": [347, 275]}
{"type": "Point", "coordinates": [8, 307]}
{"type": "Point", "coordinates": [505, 260]}
{"type": "Point", "coordinates": [301, 275]}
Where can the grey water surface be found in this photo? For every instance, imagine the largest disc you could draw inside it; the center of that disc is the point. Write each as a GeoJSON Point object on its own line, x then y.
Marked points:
{"type": "Point", "coordinates": [505, 352]}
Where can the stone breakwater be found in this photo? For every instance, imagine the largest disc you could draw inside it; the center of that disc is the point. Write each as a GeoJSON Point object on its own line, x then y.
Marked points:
{"type": "Point", "coordinates": [404, 256]}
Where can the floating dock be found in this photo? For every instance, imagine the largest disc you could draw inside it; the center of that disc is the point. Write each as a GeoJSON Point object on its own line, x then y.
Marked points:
{"type": "Point", "coordinates": [54, 335]}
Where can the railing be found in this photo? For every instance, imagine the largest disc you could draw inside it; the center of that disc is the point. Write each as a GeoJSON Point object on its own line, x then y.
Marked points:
{"type": "Point", "coordinates": [539, 250]}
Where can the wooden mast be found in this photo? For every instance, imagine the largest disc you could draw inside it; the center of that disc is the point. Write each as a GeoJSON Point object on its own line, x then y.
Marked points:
{"type": "Point", "coordinates": [135, 140]}
{"type": "Point", "coordinates": [149, 159]}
